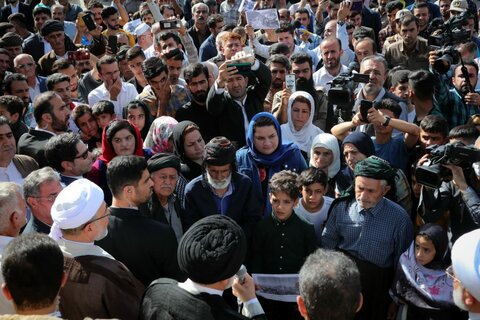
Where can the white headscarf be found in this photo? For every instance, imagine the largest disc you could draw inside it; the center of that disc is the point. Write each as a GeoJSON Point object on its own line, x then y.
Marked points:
{"type": "Point", "coordinates": [75, 205]}
{"type": "Point", "coordinates": [466, 261]}
{"type": "Point", "coordinates": [327, 141]}
{"type": "Point", "coordinates": [302, 138]}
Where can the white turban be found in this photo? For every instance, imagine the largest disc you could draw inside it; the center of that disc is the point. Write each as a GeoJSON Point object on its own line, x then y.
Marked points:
{"type": "Point", "coordinates": [466, 261]}
{"type": "Point", "coordinates": [75, 205]}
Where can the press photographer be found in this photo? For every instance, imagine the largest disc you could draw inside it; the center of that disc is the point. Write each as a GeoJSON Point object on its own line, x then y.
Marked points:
{"type": "Point", "coordinates": [456, 104]}
{"type": "Point", "coordinates": [455, 166]}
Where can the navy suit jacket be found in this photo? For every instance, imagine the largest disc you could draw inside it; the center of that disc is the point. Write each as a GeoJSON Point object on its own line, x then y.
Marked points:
{"type": "Point", "coordinates": [22, 8]}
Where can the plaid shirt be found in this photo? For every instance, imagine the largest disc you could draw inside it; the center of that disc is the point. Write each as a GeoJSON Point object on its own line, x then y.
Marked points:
{"type": "Point", "coordinates": [449, 104]}
{"type": "Point", "coordinates": [384, 34]}
{"type": "Point", "coordinates": [178, 97]}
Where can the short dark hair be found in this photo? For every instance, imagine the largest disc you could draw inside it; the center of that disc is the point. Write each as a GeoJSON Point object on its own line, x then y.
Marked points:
{"type": "Point", "coordinates": [56, 78]}
{"type": "Point", "coordinates": [394, 5]}
{"type": "Point", "coordinates": [62, 64]}
{"type": "Point", "coordinates": [168, 35]}
{"type": "Point", "coordinates": [123, 171]}
{"type": "Point", "coordinates": [19, 18]}
{"type": "Point", "coordinates": [285, 27]}
{"type": "Point", "coordinates": [389, 104]}
{"type": "Point", "coordinates": [285, 181]}
{"type": "Point", "coordinates": [13, 104]}
{"type": "Point", "coordinates": [263, 122]}
{"type": "Point", "coordinates": [62, 147]}
{"type": "Point", "coordinates": [108, 11]}
{"type": "Point", "coordinates": [280, 59]}
{"type": "Point", "coordinates": [103, 106]}
{"type": "Point", "coordinates": [279, 48]}
{"type": "Point", "coordinates": [106, 59]}
{"type": "Point", "coordinates": [122, 53]}
{"type": "Point", "coordinates": [465, 131]}
{"type": "Point", "coordinates": [434, 124]}
{"type": "Point", "coordinates": [213, 20]}
{"type": "Point", "coordinates": [299, 58]}
{"type": "Point", "coordinates": [32, 267]}
{"type": "Point", "coordinates": [79, 111]}
{"type": "Point", "coordinates": [145, 12]}
{"type": "Point", "coordinates": [41, 9]}
{"type": "Point", "coordinates": [194, 70]}
{"type": "Point", "coordinates": [7, 82]}
{"type": "Point", "coordinates": [302, 11]}
{"type": "Point", "coordinates": [408, 19]}
{"type": "Point", "coordinates": [326, 286]}
{"type": "Point", "coordinates": [94, 4]}
{"type": "Point", "coordinates": [135, 52]}
{"type": "Point", "coordinates": [166, 6]}
{"type": "Point", "coordinates": [420, 5]}
{"type": "Point", "coordinates": [153, 67]}
{"type": "Point", "coordinates": [467, 63]}
{"type": "Point", "coordinates": [422, 84]}
{"type": "Point", "coordinates": [42, 105]}
{"type": "Point", "coordinates": [312, 175]}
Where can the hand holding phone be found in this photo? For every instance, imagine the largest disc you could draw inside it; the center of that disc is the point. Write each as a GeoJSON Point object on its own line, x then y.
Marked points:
{"type": "Point", "coordinates": [88, 20]}
{"type": "Point", "coordinates": [112, 44]}
{"type": "Point", "coordinates": [365, 105]}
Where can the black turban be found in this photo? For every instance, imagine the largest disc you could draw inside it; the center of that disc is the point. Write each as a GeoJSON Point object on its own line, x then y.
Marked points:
{"type": "Point", "coordinates": [212, 250]}
{"type": "Point", "coordinates": [51, 26]}
{"type": "Point", "coordinates": [219, 152]}
{"type": "Point", "coordinates": [163, 160]}
{"type": "Point", "coordinates": [375, 168]}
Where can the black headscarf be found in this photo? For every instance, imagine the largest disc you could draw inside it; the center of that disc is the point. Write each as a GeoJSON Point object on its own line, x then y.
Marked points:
{"type": "Point", "coordinates": [189, 169]}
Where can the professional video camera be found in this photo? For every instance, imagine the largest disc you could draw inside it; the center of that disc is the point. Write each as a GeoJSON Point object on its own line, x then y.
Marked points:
{"type": "Point", "coordinates": [449, 33]}
{"type": "Point", "coordinates": [342, 89]}
{"type": "Point", "coordinates": [432, 173]}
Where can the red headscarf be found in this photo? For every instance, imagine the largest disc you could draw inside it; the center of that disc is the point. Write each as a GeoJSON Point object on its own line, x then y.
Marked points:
{"type": "Point", "coordinates": [107, 150]}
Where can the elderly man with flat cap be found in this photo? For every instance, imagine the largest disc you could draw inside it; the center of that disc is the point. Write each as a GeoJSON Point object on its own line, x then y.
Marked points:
{"type": "Point", "coordinates": [210, 253]}
{"type": "Point", "coordinates": [373, 231]}
{"type": "Point", "coordinates": [465, 271]}
{"type": "Point", "coordinates": [221, 189]}
{"type": "Point", "coordinates": [164, 205]}
{"type": "Point", "coordinates": [80, 217]}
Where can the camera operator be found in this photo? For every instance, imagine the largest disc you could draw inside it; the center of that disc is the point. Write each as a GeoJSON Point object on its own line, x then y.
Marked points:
{"type": "Point", "coordinates": [456, 202]}
{"type": "Point", "coordinates": [456, 104]}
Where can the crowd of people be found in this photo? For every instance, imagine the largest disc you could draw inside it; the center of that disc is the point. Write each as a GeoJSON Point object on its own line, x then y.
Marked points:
{"type": "Point", "coordinates": [169, 150]}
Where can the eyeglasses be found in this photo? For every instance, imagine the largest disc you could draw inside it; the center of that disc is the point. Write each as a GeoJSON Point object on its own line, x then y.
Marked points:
{"type": "Point", "coordinates": [23, 66]}
{"type": "Point", "coordinates": [449, 273]}
{"type": "Point", "coordinates": [84, 155]}
{"type": "Point", "coordinates": [50, 198]}
{"type": "Point", "coordinates": [96, 219]}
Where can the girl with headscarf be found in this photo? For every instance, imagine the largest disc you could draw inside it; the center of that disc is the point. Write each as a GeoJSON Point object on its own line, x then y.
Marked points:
{"type": "Point", "coordinates": [325, 155]}
{"type": "Point", "coordinates": [159, 135]}
{"type": "Point", "coordinates": [266, 154]}
{"type": "Point", "coordinates": [189, 146]}
{"type": "Point", "coordinates": [119, 138]}
{"type": "Point", "coordinates": [137, 113]}
{"type": "Point", "coordinates": [422, 288]}
{"type": "Point", "coordinates": [299, 128]}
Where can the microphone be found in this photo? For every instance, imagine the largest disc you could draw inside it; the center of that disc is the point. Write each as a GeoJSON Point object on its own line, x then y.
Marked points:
{"type": "Point", "coordinates": [353, 66]}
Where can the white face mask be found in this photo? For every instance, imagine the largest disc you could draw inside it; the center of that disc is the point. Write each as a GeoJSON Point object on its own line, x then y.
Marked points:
{"type": "Point", "coordinates": [476, 168]}
{"type": "Point", "coordinates": [219, 184]}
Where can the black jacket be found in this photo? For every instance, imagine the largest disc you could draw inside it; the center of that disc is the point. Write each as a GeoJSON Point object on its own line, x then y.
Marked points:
{"type": "Point", "coordinates": [229, 113]}
{"type": "Point", "coordinates": [148, 248]}
{"type": "Point", "coordinates": [22, 8]}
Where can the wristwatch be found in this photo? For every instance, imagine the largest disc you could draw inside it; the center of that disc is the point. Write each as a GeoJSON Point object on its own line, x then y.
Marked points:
{"type": "Point", "coordinates": [387, 121]}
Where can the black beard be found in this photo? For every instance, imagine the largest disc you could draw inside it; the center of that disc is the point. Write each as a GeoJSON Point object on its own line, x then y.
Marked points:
{"type": "Point", "coordinates": [303, 84]}
{"type": "Point", "coordinates": [200, 96]}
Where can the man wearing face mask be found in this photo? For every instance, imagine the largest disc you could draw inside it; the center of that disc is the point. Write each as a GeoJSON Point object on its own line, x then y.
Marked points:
{"type": "Point", "coordinates": [80, 217]}
{"type": "Point", "coordinates": [459, 197]}
{"type": "Point", "coordinates": [221, 189]}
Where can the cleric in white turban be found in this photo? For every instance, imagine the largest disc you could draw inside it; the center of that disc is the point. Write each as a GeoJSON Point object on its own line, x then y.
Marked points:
{"type": "Point", "coordinates": [466, 268]}
{"type": "Point", "coordinates": [80, 217]}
